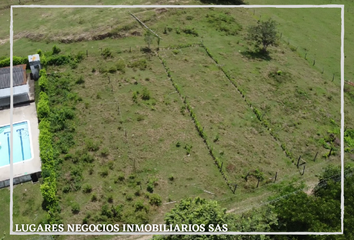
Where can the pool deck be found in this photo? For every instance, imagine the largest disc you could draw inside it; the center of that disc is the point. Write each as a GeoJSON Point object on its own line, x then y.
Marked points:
{"type": "Point", "coordinates": [22, 113]}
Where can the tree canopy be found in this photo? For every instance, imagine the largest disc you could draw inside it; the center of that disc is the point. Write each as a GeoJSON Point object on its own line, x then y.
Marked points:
{"type": "Point", "coordinates": [264, 34]}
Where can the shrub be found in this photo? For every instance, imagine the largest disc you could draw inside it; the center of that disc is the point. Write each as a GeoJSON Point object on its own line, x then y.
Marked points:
{"type": "Point", "coordinates": [141, 64]}
{"type": "Point", "coordinates": [43, 109]}
{"type": "Point", "coordinates": [190, 31]}
{"type": "Point", "coordinates": [75, 208]}
{"type": "Point", "coordinates": [106, 53]}
{"type": "Point", "coordinates": [112, 69]}
{"type": "Point", "coordinates": [150, 187]}
{"type": "Point", "coordinates": [104, 152]}
{"type": "Point", "coordinates": [80, 56]}
{"type": "Point", "coordinates": [110, 199]}
{"type": "Point", "coordinates": [145, 94]}
{"type": "Point", "coordinates": [93, 198]}
{"type": "Point", "coordinates": [87, 188]}
{"type": "Point", "coordinates": [135, 97]}
{"type": "Point", "coordinates": [56, 50]}
{"type": "Point", "coordinates": [43, 82]}
{"type": "Point", "coordinates": [120, 65]}
{"type": "Point", "coordinates": [91, 145]}
{"type": "Point", "coordinates": [120, 177]}
{"type": "Point", "coordinates": [104, 172]}
{"type": "Point", "coordinates": [155, 199]}
{"type": "Point", "coordinates": [129, 197]}
{"type": "Point", "coordinates": [80, 80]}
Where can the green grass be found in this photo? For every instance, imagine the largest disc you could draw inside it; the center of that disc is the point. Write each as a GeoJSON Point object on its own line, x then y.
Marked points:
{"type": "Point", "coordinates": [27, 208]}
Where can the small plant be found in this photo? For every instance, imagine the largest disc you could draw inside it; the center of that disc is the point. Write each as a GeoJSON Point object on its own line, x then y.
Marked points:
{"type": "Point", "coordinates": [145, 94]}
{"type": "Point", "coordinates": [178, 144]}
{"type": "Point", "coordinates": [189, 18]}
{"type": "Point", "coordinates": [121, 177]}
{"type": "Point", "coordinates": [171, 177]}
{"type": "Point", "coordinates": [216, 137]}
{"type": "Point", "coordinates": [104, 172]}
{"type": "Point", "coordinates": [86, 188]}
{"type": "Point", "coordinates": [155, 199]}
{"type": "Point", "coordinates": [80, 80]}
{"type": "Point", "coordinates": [104, 152]}
{"type": "Point", "coordinates": [75, 208]}
{"type": "Point", "coordinates": [190, 31]}
{"type": "Point", "coordinates": [140, 118]}
{"type": "Point", "coordinates": [141, 64]}
{"type": "Point", "coordinates": [120, 65]}
{"type": "Point", "coordinates": [93, 198]}
{"type": "Point", "coordinates": [110, 199]}
{"type": "Point", "coordinates": [135, 97]}
{"type": "Point", "coordinates": [279, 72]}
{"type": "Point", "coordinates": [112, 69]}
{"type": "Point", "coordinates": [188, 148]}
{"type": "Point", "coordinates": [93, 70]}
{"type": "Point", "coordinates": [55, 50]}
{"type": "Point", "coordinates": [106, 53]}
{"type": "Point", "coordinates": [129, 197]}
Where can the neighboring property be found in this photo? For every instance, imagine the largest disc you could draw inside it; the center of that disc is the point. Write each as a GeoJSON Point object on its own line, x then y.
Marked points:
{"type": "Point", "coordinates": [26, 160]}
{"type": "Point", "coordinates": [20, 85]}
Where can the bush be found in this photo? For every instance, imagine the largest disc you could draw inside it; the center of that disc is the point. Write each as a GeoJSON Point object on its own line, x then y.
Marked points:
{"type": "Point", "coordinates": [190, 31]}
{"type": "Point", "coordinates": [56, 50]}
{"type": "Point", "coordinates": [104, 172]}
{"type": "Point", "coordinates": [120, 66]}
{"type": "Point", "coordinates": [87, 188]}
{"type": "Point", "coordinates": [112, 69]}
{"type": "Point", "coordinates": [145, 94]}
{"type": "Point", "coordinates": [15, 60]}
{"type": "Point", "coordinates": [121, 177]}
{"type": "Point", "coordinates": [43, 109]}
{"type": "Point", "coordinates": [80, 80]}
{"type": "Point", "coordinates": [43, 82]}
{"type": "Point", "coordinates": [104, 152]}
{"type": "Point", "coordinates": [93, 198]}
{"type": "Point", "coordinates": [141, 64]}
{"type": "Point", "coordinates": [91, 145]}
{"type": "Point", "coordinates": [155, 199]}
{"type": "Point", "coordinates": [106, 53]}
{"type": "Point", "coordinates": [75, 208]}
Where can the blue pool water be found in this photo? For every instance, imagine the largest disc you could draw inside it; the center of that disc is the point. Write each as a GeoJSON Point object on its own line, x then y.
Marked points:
{"type": "Point", "coordinates": [21, 146]}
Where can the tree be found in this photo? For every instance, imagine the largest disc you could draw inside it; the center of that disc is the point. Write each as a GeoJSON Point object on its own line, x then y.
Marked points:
{"type": "Point", "coordinates": [264, 34]}
{"type": "Point", "coordinates": [196, 211]}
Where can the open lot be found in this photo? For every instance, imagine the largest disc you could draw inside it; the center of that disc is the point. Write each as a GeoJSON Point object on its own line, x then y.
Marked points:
{"type": "Point", "coordinates": [132, 144]}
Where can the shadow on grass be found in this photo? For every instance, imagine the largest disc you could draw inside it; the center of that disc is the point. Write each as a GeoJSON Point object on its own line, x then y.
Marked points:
{"type": "Point", "coordinates": [261, 55]}
{"type": "Point", "coordinates": [223, 2]}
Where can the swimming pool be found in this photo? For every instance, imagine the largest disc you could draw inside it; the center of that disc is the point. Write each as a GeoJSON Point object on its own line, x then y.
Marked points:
{"type": "Point", "coordinates": [22, 143]}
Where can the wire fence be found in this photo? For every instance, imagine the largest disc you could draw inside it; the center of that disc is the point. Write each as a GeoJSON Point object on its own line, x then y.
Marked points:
{"type": "Point", "coordinates": [303, 52]}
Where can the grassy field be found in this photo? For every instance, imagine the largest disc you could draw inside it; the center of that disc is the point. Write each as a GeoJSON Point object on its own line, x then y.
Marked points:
{"type": "Point", "coordinates": [132, 146]}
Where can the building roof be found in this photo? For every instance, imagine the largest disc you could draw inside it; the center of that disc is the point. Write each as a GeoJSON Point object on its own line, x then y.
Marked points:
{"type": "Point", "coordinates": [19, 76]}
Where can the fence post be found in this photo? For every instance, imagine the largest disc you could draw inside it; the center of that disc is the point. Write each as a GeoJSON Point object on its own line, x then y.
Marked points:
{"type": "Point", "coordinates": [314, 62]}
{"type": "Point", "coordinates": [315, 157]}
{"type": "Point", "coordinates": [303, 171]}
{"type": "Point", "coordinates": [330, 152]}
{"type": "Point", "coordinates": [306, 56]}
{"type": "Point", "coordinates": [298, 161]}
{"type": "Point", "coordinates": [322, 70]}
{"type": "Point", "coordinates": [276, 175]}
{"type": "Point", "coordinates": [86, 53]}
{"type": "Point", "coordinates": [235, 187]}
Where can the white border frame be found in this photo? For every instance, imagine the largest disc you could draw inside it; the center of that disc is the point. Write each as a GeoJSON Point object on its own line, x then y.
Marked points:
{"type": "Point", "coordinates": [30, 139]}
{"type": "Point", "coordinates": [341, 6]}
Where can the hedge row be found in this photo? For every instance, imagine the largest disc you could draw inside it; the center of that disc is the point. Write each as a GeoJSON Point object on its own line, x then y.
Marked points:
{"type": "Point", "coordinates": [198, 126]}
{"type": "Point", "coordinates": [15, 60]}
{"type": "Point", "coordinates": [256, 111]}
{"type": "Point", "coordinates": [49, 185]}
